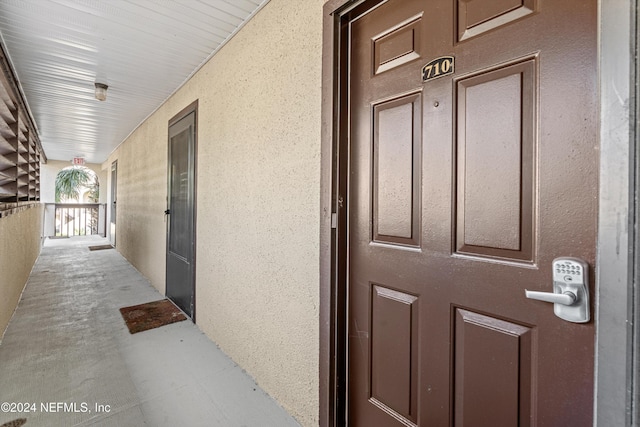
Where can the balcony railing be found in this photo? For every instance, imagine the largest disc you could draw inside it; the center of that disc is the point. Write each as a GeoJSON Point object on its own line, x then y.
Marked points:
{"type": "Point", "coordinates": [75, 219]}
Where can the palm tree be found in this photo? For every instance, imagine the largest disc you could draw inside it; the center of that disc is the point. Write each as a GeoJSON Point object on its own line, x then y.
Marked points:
{"type": "Point", "coordinates": [70, 180]}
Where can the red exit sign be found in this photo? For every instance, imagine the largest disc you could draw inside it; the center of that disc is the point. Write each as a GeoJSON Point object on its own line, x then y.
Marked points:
{"type": "Point", "coordinates": [78, 161]}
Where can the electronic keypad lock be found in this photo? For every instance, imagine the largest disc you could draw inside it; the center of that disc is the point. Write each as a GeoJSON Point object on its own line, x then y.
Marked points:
{"type": "Point", "coordinates": [570, 296]}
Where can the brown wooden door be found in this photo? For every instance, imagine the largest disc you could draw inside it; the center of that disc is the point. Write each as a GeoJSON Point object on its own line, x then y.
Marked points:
{"type": "Point", "coordinates": [462, 191]}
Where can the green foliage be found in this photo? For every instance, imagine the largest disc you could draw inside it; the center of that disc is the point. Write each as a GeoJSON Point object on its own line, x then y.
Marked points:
{"type": "Point", "coordinates": [70, 181]}
{"type": "Point", "coordinates": [94, 191]}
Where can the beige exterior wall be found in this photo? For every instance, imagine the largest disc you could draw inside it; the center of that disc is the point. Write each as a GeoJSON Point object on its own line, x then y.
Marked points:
{"type": "Point", "coordinates": [142, 190]}
{"type": "Point", "coordinates": [19, 248]}
{"type": "Point", "coordinates": [258, 209]}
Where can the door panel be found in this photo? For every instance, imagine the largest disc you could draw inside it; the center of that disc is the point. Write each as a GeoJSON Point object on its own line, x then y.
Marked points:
{"type": "Point", "coordinates": [461, 192]}
{"type": "Point", "coordinates": [180, 231]}
{"type": "Point", "coordinates": [476, 16]}
{"type": "Point", "coordinates": [495, 126]}
{"type": "Point", "coordinates": [492, 363]}
{"type": "Point", "coordinates": [396, 171]}
{"type": "Point", "coordinates": [394, 321]}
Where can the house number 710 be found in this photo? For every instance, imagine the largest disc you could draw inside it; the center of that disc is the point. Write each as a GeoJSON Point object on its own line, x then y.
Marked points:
{"type": "Point", "coordinates": [437, 68]}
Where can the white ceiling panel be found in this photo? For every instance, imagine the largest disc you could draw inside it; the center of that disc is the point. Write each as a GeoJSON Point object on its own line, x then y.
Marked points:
{"type": "Point", "coordinates": [143, 49]}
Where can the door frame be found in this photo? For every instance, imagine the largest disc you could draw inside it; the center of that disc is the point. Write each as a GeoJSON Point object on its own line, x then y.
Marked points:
{"type": "Point", "coordinates": [617, 382]}
{"type": "Point", "coordinates": [617, 379]}
{"type": "Point", "coordinates": [634, 282]}
{"type": "Point", "coordinates": [191, 108]}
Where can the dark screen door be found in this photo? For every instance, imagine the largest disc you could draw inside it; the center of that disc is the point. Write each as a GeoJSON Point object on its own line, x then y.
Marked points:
{"type": "Point", "coordinates": [465, 183]}
{"type": "Point", "coordinates": [180, 230]}
{"type": "Point", "coordinates": [114, 195]}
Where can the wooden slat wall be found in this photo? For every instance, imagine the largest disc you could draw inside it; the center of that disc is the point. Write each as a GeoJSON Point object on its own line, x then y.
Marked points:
{"type": "Point", "coordinates": [20, 151]}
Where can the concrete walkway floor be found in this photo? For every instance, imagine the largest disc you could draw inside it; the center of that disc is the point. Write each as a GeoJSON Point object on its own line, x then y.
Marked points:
{"type": "Point", "coordinates": [67, 358]}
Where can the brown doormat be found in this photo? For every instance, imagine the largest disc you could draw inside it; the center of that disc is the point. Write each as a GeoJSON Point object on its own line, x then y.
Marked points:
{"type": "Point", "coordinates": [151, 315]}
{"type": "Point", "coordinates": [100, 247]}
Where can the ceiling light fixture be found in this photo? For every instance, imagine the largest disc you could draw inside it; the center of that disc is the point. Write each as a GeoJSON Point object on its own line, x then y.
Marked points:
{"type": "Point", "coordinates": [101, 91]}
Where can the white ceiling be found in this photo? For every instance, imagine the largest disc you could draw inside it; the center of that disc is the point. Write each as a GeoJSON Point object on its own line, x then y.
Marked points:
{"type": "Point", "coordinates": [143, 49]}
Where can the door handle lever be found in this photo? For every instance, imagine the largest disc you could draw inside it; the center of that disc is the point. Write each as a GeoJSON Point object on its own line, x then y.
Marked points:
{"type": "Point", "coordinates": [565, 298]}
{"type": "Point", "coordinates": [570, 296]}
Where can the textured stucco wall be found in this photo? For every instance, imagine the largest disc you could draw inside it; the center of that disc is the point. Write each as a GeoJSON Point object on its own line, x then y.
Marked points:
{"type": "Point", "coordinates": [141, 199]}
{"type": "Point", "coordinates": [259, 208]}
{"type": "Point", "coordinates": [20, 243]}
{"type": "Point", "coordinates": [258, 193]}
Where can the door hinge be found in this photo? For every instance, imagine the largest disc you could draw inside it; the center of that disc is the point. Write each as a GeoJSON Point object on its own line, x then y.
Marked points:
{"type": "Point", "coordinates": [334, 220]}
